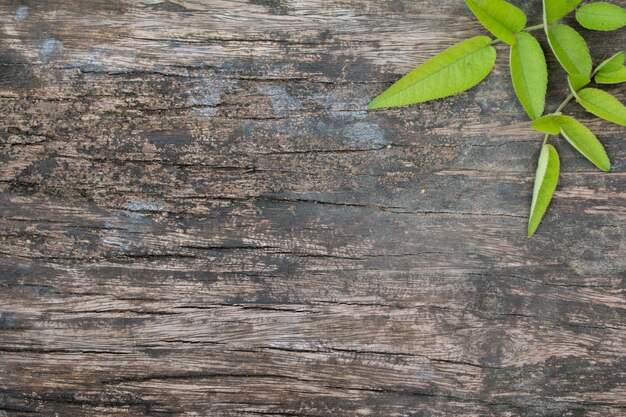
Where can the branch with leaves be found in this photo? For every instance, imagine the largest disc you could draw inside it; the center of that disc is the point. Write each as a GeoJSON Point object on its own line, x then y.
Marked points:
{"type": "Point", "coordinates": [467, 63]}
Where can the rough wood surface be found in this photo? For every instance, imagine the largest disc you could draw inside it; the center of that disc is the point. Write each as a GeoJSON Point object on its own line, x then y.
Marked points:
{"type": "Point", "coordinates": [198, 217]}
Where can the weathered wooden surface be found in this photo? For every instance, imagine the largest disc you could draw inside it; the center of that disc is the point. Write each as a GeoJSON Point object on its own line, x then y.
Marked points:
{"type": "Point", "coordinates": [198, 217]}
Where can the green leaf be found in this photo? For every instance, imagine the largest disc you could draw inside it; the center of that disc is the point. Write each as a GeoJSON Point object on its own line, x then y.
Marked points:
{"type": "Point", "coordinates": [570, 49]}
{"type": "Point", "coordinates": [601, 16]}
{"type": "Point", "coordinates": [612, 64]}
{"type": "Point", "coordinates": [556, 9]}
{"type": "Point", "coordinates": [577, 81]}
{"type": "Point", "coordinates": [529, 74]}
{"type": "Point", "coordinates": [603, 105]}
{"type": "Point", "coordinates": [612, 70]}
{"type": "Point", "coordinates": [581, 138]}
{"type": "Point", "coordinates": [499, 17]}
{"type": "Point", "coordinates": [584, 141]}
{"type": "Point", "coordinates": [614, 77]}
{"type": "Point", "coordinates": [454, 70]}
{"type": "Point", "coordinates": [546, 179]}
{"type": "Point", "coordinates": [547, 124]}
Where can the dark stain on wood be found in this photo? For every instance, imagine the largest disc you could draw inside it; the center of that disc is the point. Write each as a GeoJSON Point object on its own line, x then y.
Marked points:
{"type": "Point", "coordinates": [198, 216]}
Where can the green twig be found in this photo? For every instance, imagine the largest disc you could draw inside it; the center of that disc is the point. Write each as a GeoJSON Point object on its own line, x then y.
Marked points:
{"type": "Point", "coordinates": [565, 102]}
{"type": "Point", "coordinates": [536, 27]}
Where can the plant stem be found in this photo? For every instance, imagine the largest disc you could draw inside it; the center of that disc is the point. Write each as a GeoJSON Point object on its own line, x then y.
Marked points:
{"type": "Point", "coordinates": [565, 102]}
{"type": "Point", "coordinates": [536, 27]}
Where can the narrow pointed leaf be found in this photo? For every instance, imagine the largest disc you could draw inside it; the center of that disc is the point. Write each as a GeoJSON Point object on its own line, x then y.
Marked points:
{"type": "Point", "coordinates": [601, 16]}
{"type": "Point", "coordinates": [581, 138]}
{"type": "Point", "coordinates": [584, 141]}
{"type": "Point", "coordinates": [454, 70]}
{"type": "Point", "coordinates": [612, 70]}
{"type": "Point", "coordinates": [614, 77]}
{"type": "Point", "coordinates": [577, 81]}
{"type": "Point", "coordinates": [499, 17]}
{"type": "Point", "coordinates": [570, 49]}
{"type": "Point", "coordinates": [603, 105]}
{"type": "Point", "coordinates": [556, 9]}
{"type": "Point", "coordinates": [547, 124]}
{"type": "Point", "coordinates": [529, 74]}
{"type": "Point", "coordinates": [613, 63]}
{"type": "Point", "coordinates": [546, 179]}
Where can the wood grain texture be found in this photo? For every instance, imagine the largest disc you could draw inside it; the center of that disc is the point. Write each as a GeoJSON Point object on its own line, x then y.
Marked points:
{"type": "Point", "coordinates": [198, 217]}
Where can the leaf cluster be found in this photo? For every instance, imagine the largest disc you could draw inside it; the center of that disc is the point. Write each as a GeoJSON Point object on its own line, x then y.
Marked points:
{"type": "Point", "coordinates": [467, 63]}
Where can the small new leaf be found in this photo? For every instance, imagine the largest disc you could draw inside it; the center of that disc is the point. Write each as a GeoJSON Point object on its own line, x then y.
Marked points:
{"type": "Point", "coordinates": [612, 71]}
{"type": "Point", "coordinates": [499, 17]}
{"type": "Point", "coordinates": [529, 74]}
{"type": "Point", "coordinates": [601, 16]}
{"type": "Point", "coordinates": [454, 70]}
{"type": "Point", "coordinates": [603, 105]}
{"type": "Point", "coordinates": [546, 179]}
{"type": "Point", "coordinates": [570, 49]}
{"type": "Point", "coordinates": [613, 63]}
{"type": "Point", "coordinates": [584, 141]}
{"type": "Point", "coordinates": [614, 77]}
{"type": "Point", "coordinates": [556, 9]}
{"type": "Point", "coordinates": [547, 124]}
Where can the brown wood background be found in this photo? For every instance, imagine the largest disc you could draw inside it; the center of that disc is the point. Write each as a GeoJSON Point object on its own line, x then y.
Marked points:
{"type": "Point", "coordinates": [198, 217]}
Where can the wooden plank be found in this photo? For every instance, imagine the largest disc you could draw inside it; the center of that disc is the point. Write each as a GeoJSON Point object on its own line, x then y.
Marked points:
{"type": "Point", "coordinates": [198, 216]}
